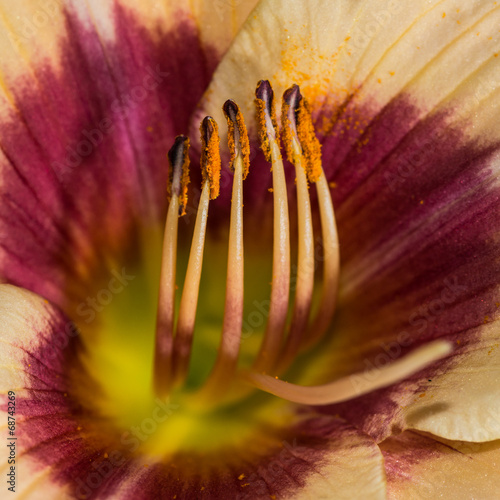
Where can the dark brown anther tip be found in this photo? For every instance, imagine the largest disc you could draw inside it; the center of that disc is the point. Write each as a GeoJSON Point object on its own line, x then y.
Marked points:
{"type": "Point", "coordinates": [265, 93]}
{"type": "Point", "coordinates": [177, 151]}
{"type": "Point", "coordinates": [207, 128]}
{"type": "Point", "coordinates": [292, 97]}
{"type": "Point", "coordinates": [231, 110]}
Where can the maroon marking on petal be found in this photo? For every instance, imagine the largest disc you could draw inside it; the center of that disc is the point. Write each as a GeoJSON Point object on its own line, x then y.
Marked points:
{"type": "Point", "coordinates": [402, 453]}
{"type": "Point", "coordinates": [244, 473]}
{"type": "Point", "coordinates": [86, 454]}
{"type": "Point", "coordinates": [417, 216]}
{"type": "Point", "coordinates": [83, 155]}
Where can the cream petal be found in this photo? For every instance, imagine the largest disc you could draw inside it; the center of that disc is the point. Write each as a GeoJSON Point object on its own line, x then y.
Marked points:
{"type": "Point", "coordinates": [420, 466]}
{"type": "Point", "coordinates": [464, 402]}
{"type": "Point", "coordinates": [24, 315]}
{"type": "Point", "coordinates": [350, 467]}
{"type": "Point", "coordinates": [216, 22]}
{"type": "Point", "coordinates": [367, 52]}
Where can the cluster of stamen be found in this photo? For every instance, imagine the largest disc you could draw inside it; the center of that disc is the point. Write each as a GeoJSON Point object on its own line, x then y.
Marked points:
{"type": "Point", "coordinates": [282, 340]}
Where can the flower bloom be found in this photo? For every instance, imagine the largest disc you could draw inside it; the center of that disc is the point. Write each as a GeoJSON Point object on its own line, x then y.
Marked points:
{"type": "Point", "coordinates": [146, 299]}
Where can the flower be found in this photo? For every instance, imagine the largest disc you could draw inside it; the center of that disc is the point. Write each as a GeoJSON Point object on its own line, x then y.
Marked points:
{"type": "Point", "coordinates": [404, 100]}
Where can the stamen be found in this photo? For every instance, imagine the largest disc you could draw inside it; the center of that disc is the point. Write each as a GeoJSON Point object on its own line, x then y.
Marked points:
{"type": "Point", "coordinates": [331, 262]}
{"type": "Point", "coordinates": [305, 271]}
{"type": "Point", "coordinates": [355, 385]}
{"type": "Point", "coordinates": [177, 192]}
{"type": "Point", "coordinates": [225, 365]}
{"type": "Point", "coordinates": [172, 355]}
{"type": "Point", "coordinates": [276, 321]}
{"type": "Point", "coordinates": [210, 166]}
{"type": "Point", "coordinates": [311, 152]}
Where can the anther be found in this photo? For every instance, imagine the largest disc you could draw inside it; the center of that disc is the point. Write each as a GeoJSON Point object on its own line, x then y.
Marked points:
{"type": "Point", "coordinates": [289, 122]}
{"type": "Point", "coordinates": [237, 136]}
{"type": "Point", "coordinates": [177, 192]}
{"type": "Point", "coordinates": [210, 155]}
{"type": "Point", "coordinates": [178, 179]}
{"type": "Point", "coordinates": [210, 167]}
{"type": "Point", "coordinates": [266, 118]}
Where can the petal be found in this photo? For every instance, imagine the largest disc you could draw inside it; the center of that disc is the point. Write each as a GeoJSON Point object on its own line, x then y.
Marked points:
{"type": "Point", "coordinates": [23, 316]}
{"type": "Point", "coordinates": [92, 94]}
{"type": "Point", "coordinates": [463, 403]}
{"type": "Point", "coordinates": [407, 118]}
{"type": "Point", "coordinates": [67, 448]}
{"type": "Point", "coordinates": [451, 44]}
{"type": "Point", "coordinates": [422, 467]}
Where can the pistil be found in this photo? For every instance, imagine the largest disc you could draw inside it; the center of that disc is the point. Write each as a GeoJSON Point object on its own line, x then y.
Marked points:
{"type": "Point", "coordinates": [354, 385]}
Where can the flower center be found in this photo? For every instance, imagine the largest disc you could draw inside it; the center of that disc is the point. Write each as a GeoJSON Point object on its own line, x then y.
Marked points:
{"type": "Point", "coordinates": [291, 326]}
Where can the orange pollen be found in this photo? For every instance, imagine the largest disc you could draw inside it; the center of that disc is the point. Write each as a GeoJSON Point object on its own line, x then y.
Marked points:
{"type": "Point", "coordinates": [180, 190]}
{"type": "Point", "coordinates": [311, 148]}
{"type": "Point", "coordinates": [265, 144]}
{"type": "Point", "coordinates": [237, 136]}
{"type": "Point", "coordinates": [210, 155]}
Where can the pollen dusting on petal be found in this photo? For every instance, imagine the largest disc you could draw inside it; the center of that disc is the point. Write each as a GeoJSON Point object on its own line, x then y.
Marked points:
{"type": "Point", "coordinates": [266, 117]}
{"type": "Point", "coordinates": [237, 136]}
{"type": "Point", "coordinates": [210, 155]}
{"type": "Point", "coordinates": [178, 178]}
{"type": "Point", "coordinates": [311, 148]}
